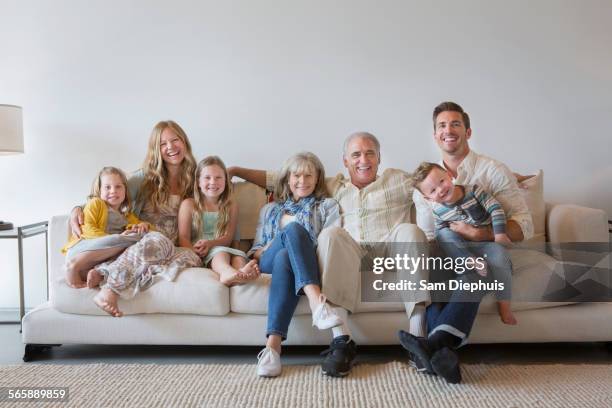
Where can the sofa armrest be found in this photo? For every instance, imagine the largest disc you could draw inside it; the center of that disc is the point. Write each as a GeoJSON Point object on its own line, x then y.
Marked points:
{"type": "Point", "coordinates": [574, 223]}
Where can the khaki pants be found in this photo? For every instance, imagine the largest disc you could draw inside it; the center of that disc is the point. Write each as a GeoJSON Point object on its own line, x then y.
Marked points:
{"type": "Point", "coordinates": [340, 260]}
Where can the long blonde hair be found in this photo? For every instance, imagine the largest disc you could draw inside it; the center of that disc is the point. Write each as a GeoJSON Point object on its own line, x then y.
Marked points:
{"type": "Point", "coordinates": [96, 186]}
{"type": "Point", "coordinates": [155, 187]}
{"type": "Point", "coordinates": [225, 199]}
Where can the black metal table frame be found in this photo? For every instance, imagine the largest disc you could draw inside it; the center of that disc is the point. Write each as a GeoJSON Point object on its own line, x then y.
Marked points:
{"type": "Point", "coordinates": [20, 233]}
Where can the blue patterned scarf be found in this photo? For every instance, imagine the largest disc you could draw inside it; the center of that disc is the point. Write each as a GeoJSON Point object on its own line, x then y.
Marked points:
{"type": "Point", "coordinates": [303, 215]}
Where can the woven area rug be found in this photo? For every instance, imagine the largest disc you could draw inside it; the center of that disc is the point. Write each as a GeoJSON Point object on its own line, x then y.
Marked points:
{"type": "Point", "coordinates": [383, 385]}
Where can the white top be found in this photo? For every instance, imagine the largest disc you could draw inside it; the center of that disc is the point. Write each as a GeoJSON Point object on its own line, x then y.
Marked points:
{"type": "Point", "coordinates": [495, 178]}
{"type": "Point", "coordinates": [286, 219]}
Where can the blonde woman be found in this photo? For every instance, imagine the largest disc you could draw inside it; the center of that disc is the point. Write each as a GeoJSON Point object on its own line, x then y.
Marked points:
{"type": "Point", "coordinates": [285, 247]}
{"type": "Point", "coordinates": [165, 180]}
{"type": "Point", "coordinates": [207, 224]}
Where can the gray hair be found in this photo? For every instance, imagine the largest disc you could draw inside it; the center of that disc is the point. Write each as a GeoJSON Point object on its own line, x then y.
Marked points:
{"type": "Point", "coordinates": [361, 135]}
{"type": "Point", "coordinates": [299, 162]}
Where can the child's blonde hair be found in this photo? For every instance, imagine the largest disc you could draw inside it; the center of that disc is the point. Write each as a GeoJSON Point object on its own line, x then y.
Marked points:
{"type": "Point", "coordinates": [155, 188]}
{"type": "Point", "coordinates": [422, 172]}
{"type": "Point", "coordinates": [225, 199]}
{"type": "Point", "coordinates": [96, 187]}
{"type": "Point", "coordinates": [298, 163]}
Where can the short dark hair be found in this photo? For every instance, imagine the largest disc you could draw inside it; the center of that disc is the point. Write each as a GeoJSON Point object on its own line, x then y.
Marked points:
{"type": "Point", "coordinates": [451, 107]}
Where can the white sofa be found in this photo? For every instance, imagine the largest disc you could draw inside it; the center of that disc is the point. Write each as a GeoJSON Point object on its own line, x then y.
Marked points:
{"type": "Point", "coordinates": [198, 310]}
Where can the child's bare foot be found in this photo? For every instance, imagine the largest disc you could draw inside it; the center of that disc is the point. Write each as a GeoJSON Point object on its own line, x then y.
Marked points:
{"type": "Point", "coordinates": [106, 300]}
{"type": "Point", "coordinates": [508, 318]}
{"type": "Point", "coordinates": [73, 279]}
{"type": "Point", "coordinates": [482, 270]}
{"type": "Point", "coordinates": [76, 284]}
{"type": "Point", "coordinates": [505, 313]}
{"type": "Point", "coordinates": [232, 278]}
{"type": "Point", "coordinates": [250, 270]}
{"type": "Point", "coordinates": [93, 278]}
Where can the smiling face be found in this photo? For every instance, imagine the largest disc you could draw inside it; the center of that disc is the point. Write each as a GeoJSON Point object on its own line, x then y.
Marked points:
{"type": "Point", "coordinates": [302, 183]}
{"type": "Point", "coordinates": [212, 181]}
{"type": "Point", "coordinates": [450, 133]}
{"type": "Point", "coordinates": [438, 187]}
{"type": "Point", "coordinates": [112, 190]}
{"type": "Point", "coordinates": [362, 159]}
{"type": "Point", "coordinates": [172, 147]}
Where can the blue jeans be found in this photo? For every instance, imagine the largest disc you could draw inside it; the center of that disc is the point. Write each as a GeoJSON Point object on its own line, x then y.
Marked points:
{"type": "Point", "coordinates": [457, 316]}
{"type": "Point", "coordinates": [499, 265]}
{"type": "Point", "coordinates": [292, 261]}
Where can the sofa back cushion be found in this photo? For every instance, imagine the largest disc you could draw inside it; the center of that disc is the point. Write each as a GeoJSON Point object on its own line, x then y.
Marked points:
{"type": "Point", "coordinates": [250, 199]}
{"type": "Point", "coordinates": [532, 191]}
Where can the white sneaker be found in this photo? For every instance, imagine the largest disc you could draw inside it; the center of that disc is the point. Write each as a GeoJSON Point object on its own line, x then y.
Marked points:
{"type": "Point", "coordinates": [268, 363]}
{"type": "Point", "coordinates": [324, 317]}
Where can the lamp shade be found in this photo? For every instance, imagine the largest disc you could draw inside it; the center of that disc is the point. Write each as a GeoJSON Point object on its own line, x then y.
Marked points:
{"type": "Point", "coordinates": [11, 129]}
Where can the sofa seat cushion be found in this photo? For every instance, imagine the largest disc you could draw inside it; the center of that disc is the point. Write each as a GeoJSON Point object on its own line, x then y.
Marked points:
{"type": "Point", "coordinates": [533, 277]}
{"type": "Point", "coordinates": [195, 291]}
{"type": "Point", "coordinates": [252, 298]}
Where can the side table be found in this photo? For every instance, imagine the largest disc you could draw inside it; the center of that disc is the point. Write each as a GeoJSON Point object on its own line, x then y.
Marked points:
{"type": "Point", "coordinates": [21, 233]}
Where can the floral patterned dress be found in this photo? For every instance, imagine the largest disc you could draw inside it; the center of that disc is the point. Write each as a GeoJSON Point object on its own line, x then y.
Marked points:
{"type": "Point", "coordinates": [152, 258]}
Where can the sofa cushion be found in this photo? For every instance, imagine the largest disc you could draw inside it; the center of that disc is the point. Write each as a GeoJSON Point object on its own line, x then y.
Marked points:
{"type": "Point", "coordinates": [532, 278]}
{"type": "Point", "coordinates": [532, 272]}
{"type": "Point", "coordinates": [532, 191]}
{"type": "Point", "coordinates": [252, 298]}
{"type": "Point", "coordinates": [250, 198]}
{"type": "Point", "coordinates": [195, 291]}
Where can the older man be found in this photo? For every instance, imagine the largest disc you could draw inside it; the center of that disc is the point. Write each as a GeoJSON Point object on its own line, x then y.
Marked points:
{"type": "Point", "coordinates": [374, 208]}
{"type": "Point", "coordinates": [449, 324]}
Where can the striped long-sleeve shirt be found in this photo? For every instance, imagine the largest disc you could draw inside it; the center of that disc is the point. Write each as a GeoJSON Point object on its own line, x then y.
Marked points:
{"type": "Point", "coordinates": [477, 208]}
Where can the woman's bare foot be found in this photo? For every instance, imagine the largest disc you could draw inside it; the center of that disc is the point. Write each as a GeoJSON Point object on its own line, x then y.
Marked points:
{"type": "Point", "coordinates": [505, 313]}
{"type": "Point", "coordinates": [106, 300]}
{"type": "Point", "coordinates": [93, 278]}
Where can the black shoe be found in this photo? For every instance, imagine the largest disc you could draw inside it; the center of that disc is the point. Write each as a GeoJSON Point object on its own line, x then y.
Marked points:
{"type": "Point", "coordinates": [418, 349]}
{"type": "Point", "coordinates": [416, 363]}
{"type": "Point", "coordinates": [339, 357]}
{"type": "Point", "coordinates": [445, 363]}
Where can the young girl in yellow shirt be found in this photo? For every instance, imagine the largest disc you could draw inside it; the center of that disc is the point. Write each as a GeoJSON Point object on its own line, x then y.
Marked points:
{"type": "Point", "coordinates": [109, 227]}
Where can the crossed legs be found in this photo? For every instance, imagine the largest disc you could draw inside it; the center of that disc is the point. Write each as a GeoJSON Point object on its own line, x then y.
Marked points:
{"type": "Point", "coordinates": [79, 268]}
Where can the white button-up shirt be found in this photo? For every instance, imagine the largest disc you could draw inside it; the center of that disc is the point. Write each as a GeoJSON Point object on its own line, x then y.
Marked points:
{"type": "Point", "coordinates": [495, 178]}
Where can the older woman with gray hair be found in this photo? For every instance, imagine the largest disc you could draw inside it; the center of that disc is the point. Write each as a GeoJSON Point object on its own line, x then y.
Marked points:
{"type": "Point", "coordinates": [285, 245]}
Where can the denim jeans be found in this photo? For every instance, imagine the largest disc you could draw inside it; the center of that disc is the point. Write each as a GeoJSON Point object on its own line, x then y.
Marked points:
{"type": "Point", "coordinates": [498, 261]}
{"type": "Point", "coordinates": [292, 261]}
{"type": "Point", "coordinates": [458, 314]}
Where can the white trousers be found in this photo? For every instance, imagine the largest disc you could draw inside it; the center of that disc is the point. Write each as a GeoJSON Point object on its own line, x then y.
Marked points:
{"type": "Point", "coordinates": [340, 260]}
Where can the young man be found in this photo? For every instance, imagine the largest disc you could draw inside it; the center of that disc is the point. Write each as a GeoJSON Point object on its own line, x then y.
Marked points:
{"type": "Point", "coordinates": [449, 324]}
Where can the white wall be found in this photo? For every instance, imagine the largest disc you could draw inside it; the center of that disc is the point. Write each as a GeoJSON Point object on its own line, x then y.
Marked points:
{"type": "Point", "coordinates": [255, 81]}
